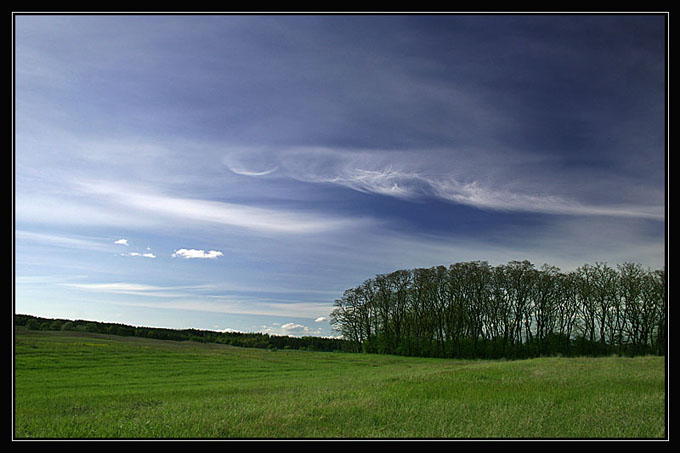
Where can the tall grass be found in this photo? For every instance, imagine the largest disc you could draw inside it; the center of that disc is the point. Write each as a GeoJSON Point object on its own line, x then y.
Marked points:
{"type": "Point", "coordinates": [77, 385]}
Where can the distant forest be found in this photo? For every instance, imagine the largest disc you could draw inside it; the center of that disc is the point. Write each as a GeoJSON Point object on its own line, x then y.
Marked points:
{"type": "Point", "coordinates": [475, 310]}
{"type": "Point", "coordinates": [245, 340]}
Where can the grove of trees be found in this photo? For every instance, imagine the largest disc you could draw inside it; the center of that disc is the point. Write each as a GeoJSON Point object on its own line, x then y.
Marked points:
{"type": "Point", "coordinates": [475, 310]}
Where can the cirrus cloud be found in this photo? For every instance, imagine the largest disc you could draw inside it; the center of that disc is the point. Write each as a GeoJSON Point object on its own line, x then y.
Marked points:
{"type": "Point", "coordinates": [145, 255]}
{"type": "Point", "coordinates": [193, 253]}
{"type": "Point", "coordinates": [145, 205]}
{"type": "Point", "coordinates": [457, 176]}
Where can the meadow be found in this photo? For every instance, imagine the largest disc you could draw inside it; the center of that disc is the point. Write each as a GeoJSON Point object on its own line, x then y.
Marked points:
{"type": "Point", "coordinates": [85, 385]}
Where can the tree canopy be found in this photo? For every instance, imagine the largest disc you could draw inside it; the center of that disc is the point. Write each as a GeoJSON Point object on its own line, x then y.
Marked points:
{"type": "Point", "coordinates": [475, 310]}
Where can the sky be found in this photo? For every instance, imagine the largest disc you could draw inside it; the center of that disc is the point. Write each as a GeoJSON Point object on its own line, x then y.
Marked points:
{"type": "Point", "coordinates": [239, 172]}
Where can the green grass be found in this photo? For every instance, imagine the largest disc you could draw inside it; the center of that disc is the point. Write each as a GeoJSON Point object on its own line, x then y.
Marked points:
{"type": "Point", "coordinates": [77, 385]}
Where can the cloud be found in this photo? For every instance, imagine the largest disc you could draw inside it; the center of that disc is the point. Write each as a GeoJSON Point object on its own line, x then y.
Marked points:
{"type": "Point", "coordinates": [483, 179]}
{"type": "Point", "coordinates": [226, 304]}
{"type": "Point", "coordinates": [193, 253]}
{"type": "Point", "coordinates": [239, 171]}
{"type": "Point", "coordinates": [134, 289]}
{"type": "Point", "coordinates": [230, 330]}
{"type": "Point", "coordinates": [115, 287]}
{"type": "Point", "coordinates": [293, 329]}
{"type": "Point", "coordinates": [154, 207]}
{"type": "Point", "coordinates": [383, 181]}
{"type": "Point", "coordinates": [145, 255]}
{"type": "Point", "coordinates": [138, 289]}
{"type": "Point", "coordinates": [476, 194]}
{"type": "Point", "coordinates": [320, 319]}
{"type": "Point", "coordinates": [56, 240]}
{"type": "Point", "coordinates": [121, 241]}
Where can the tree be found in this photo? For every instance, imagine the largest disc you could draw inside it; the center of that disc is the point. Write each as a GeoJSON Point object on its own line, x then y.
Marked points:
{"type": "Point", "coordinates": [605, 301]}
{"type": "Point", "coordinates": [546, 302]}
{"type": "Point", "coordinates": [346, 318]}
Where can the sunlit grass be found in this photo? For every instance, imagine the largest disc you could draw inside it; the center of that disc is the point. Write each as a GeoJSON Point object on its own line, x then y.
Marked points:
{"type": "Point", "coordinates": [76, 385]}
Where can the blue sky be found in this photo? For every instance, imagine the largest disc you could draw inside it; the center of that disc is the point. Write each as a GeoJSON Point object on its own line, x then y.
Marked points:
{"type": "Point", "coordinates": [238, 172]}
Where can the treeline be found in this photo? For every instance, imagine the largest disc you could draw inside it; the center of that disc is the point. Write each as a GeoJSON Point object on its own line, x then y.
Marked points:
{"type": "Point", "coordinates": [475, 310]}
{"type": "Point", "coordinates": [245, 340]}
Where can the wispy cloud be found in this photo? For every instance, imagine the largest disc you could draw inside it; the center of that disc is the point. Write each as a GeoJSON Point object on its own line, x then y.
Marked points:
{"type": "Point", "coordinates": [193, 210]}
{"type": "Point", "coordinates": [385, 181]}
{"type": "Point", "coordinates": [145, 255]}
{"type": "Point", "coordinates": [66, 241]}
{"type": "Point", "coordinates": [116, 287]}
{"type": "Point", "coordinates": [490, 181]}
{"type": "Point", "coordinates": [121, 241]}
{"type": "Point", "coordinates": [137, 289]}
{"type": "Point", "coordinates": [240, 171]}
{"type": "Point", "coordinates": [208, 298]}
{"type": "Point", "coordinates": [476, 194]}
{"type": "Point", "coordinates": [229, 305]}
{"type": "Point", "coordinates": [193, 253]}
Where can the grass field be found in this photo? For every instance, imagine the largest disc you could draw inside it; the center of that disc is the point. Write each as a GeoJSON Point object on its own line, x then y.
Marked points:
{"type": "Point", "coordinates": [78, 385]}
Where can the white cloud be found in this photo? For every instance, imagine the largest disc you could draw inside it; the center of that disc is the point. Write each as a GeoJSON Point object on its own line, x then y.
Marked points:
{"type": "Point", "coordinates": [478, 178]}
{"type": "Point", "coordinates": [476, 194]}
{"type": "Point", "coordinates": [145, 255]}
{"type": "Point", "coordinates": [320, 319]}
{"type": "Point", "coordinates": [71, 241]}
{"type": "Point", "coordinates": [138, 289]}
{"type": "Point", "coordinates": [230, 330]}
{"type": "Point", "coordinates": [240, 171]}
{"type": "Point", "coordinates": [384, 181]}
{"type": "Point", "coordinates": [193, 253]}
{"type": "Point", "coordinates": [121, 241]}
{"type": "Point", "coordinates": [155, 207]}
{"type": "Point", "coordinates": [115, 287]}
{"type": "Point", "coordinates": [293, 329]}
